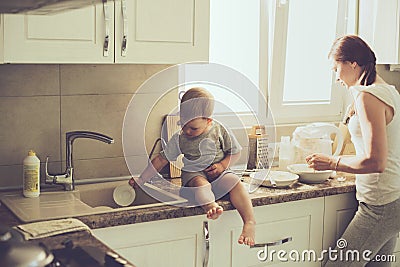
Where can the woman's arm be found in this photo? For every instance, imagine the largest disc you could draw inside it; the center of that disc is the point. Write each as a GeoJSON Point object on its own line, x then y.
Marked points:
{"type": "Point", "coordinates": [372, 116]}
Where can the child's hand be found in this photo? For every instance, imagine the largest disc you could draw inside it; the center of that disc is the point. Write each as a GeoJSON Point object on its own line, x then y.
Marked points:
{"type": "Point", "coordinates": [214, 170]}
{"type": "Point", "coordinates": [135, 182]}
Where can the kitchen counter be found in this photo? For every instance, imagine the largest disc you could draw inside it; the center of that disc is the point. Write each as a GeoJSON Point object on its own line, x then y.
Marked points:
{"type": "Point", "coordinates": [262, 196]}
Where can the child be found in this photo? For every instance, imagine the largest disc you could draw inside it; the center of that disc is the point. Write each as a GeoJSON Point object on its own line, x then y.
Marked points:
{"type": "Point", "coordinates": [208, 151]}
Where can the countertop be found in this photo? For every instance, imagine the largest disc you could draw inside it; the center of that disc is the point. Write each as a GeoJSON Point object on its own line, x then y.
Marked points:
{"type": "Point", "coordinates": [262, 196]}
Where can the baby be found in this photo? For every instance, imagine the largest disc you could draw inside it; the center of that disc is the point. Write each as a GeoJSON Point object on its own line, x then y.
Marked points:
{"type": "Point", "coordinates": [208, 149]}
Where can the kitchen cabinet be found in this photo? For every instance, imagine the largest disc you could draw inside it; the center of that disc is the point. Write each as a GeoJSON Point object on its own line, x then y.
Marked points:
{"type": "Point", "coordinates": [379, 26]}
{"type": "Point", "coordinates": [310, 226]}
{"type": "Point", "coordinates": [182, 242]}
{"type": "Point", "coordinates": [339, 210]}
{"type": "Point", "coordinates": [76, 36]}
{"type": "Point", "coordinates": [120, 31]}
{"type": "Point", "coordinates": [174, 242]}
{"type": "Point", "coordinates": [300, 221]}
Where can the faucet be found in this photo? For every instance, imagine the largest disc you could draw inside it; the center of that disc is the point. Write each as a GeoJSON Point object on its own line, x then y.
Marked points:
{"type": "Point", "coordinates": [66, 178]}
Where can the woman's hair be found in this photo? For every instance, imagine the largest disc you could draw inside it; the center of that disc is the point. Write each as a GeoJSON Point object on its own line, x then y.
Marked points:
{"type": "Point", "coordinates": [197, 102]}
{"type": "Point", "coordinates": [353, 49]}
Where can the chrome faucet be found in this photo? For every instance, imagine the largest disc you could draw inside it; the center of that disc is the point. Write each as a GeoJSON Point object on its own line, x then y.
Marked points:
{"type": "Point", "coordinates": [66, 179]}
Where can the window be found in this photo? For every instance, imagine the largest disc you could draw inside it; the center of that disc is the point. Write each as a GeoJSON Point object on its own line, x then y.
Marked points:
{"type": "Point", "coordinates": [302, 86]}
{"type": "Point", "coordinates": [281, 46]}
{"type": "Point", "coordinates": [235, 27]}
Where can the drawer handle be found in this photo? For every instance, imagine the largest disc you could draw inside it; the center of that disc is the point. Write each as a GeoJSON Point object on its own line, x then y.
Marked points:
{"type": "Point", "coordinates": [274, 243]}
{"type": "Point", "coordinates": [206, 234]}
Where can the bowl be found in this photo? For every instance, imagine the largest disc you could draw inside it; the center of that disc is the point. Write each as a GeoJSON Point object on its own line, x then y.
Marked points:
{"type": "Point", "coordinates": [281, 178]}
{"type": "Point", "coordinates": [124, 195]}
{"type": "Point", "coordinates": [309, 175]}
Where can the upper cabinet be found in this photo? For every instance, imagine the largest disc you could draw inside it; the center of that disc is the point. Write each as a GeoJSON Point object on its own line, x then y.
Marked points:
{"type": "Point", "coordinates": [120, 31]}
{"type": "Point", "coordinates": [379, 26]}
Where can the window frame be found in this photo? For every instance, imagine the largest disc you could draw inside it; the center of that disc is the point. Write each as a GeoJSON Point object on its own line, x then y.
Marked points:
{"type": "Point", "coordinates": [260, 115]}
{"type": "Point", "coordinates": [301, 111]}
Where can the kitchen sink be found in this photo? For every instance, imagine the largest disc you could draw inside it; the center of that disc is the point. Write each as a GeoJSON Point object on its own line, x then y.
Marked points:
{"type": "Point", "coordinates": [101, 196]}
{"type": "Point", "coordinates": [86, 199]}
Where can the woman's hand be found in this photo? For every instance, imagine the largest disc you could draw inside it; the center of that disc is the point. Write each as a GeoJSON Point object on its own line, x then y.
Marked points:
{"type": "Point", "coordinates": [215, 170]}
{"type": "Point", "coordinates": [321, 162]}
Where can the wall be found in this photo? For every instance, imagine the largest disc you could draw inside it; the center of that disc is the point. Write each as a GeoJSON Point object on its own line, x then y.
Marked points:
{"type": "Point", "coordinates": [40, 103]}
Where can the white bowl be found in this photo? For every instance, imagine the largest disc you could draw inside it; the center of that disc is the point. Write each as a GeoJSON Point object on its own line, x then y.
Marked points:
{"type": "Point", "coordinates": [309, 175]}
{"type": "Point", "coordinates": [281, 178]}
{"type": "Point", "coordinates": [124, 195]}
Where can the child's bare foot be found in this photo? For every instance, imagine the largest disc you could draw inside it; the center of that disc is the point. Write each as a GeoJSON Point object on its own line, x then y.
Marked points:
{"type": "Point", "coordinates": [248, 234]}
{"type": "Point", "coordinates": [213, 211]}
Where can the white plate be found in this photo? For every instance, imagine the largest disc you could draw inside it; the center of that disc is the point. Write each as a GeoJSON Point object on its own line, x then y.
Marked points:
{"type": "Point", "coordinates": [124, 195]}
{"type": "Point", "coordinates": [282, 178]}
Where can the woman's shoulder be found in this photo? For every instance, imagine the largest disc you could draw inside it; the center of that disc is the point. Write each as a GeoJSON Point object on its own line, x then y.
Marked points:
{"type": "Point", "coordinates": [377, 89]}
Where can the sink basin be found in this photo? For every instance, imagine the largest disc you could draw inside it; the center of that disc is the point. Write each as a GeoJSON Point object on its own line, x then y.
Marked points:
{"type": "Point", "coordinates": [102, 196]}
{"type": "Point", "coordinates": [87, 199]}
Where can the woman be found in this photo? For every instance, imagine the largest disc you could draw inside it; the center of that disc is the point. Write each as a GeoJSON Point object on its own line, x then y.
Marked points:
{"type": "Point", "coordinates": [374, 123]}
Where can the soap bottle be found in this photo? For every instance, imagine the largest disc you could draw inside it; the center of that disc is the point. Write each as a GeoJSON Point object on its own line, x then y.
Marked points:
{"type": "Point", "coordinates": [286, 153]}
{"type": "Point", "coordinates": [31, 175]}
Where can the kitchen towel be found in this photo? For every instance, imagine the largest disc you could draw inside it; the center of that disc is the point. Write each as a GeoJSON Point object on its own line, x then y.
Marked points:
{"type": "Point", "coordinates": [51, 228]}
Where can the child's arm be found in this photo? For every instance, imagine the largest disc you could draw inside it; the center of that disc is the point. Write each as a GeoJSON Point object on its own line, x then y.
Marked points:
{"type": "Point", "coordinates": [229, 160]}
{"type": "Point", "coordinates": [151, 170]}
{"type": "Point", "coordinates": [217, 168]}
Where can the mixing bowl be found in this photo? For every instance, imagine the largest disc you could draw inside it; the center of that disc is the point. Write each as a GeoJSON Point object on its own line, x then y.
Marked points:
{"type": "Point", "coordinates": [309, 175]}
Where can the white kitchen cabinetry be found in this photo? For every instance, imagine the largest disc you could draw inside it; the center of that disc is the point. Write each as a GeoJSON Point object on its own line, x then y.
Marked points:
{"type": "Point", "coordinates": [146, 31]}
{"type": "Point", "coordinates": [301, 221]}
{"type": "Point", "coordinates": [174, 242]}
{"type": "Point", "coordinates": [163, 31]}
{"type": "Point", "coordinates": [339, 210]}
{"type": "Point", "coordinates": [181, 241]}
{"type": "Point", "coordinates": [379, 26]}
{"type": "Point", "coordinates": [76, 36]}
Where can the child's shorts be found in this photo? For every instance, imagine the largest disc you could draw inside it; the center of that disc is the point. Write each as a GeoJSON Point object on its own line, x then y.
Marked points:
{"type": "Point", "coordinates": [187, 176]}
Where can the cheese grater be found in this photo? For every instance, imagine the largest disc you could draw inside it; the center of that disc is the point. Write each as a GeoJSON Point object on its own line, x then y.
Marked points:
{"type": "Point", "coordinates": [258, 148]}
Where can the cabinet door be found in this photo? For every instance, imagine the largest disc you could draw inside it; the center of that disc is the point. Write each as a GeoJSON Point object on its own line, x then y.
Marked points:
{"type": "Point", "coordinates": [169, 243]}
{"type": "Point", "coordinates": [301, 221]}
{"type": "Point", "coordinates": [162, 31]}
{"type": "Point", "coordinates": [75, 36]}
{"type": "Point", "coordinates": [379, 27]}
{"type": "Point", "coordinates": [339, 210]}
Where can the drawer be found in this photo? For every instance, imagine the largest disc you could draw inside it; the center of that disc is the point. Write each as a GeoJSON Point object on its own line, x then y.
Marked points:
{"type": "Point", "coordinates": [297, 229]}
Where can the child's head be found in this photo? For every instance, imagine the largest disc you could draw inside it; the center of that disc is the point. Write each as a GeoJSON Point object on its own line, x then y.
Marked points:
{"type": "Point", "coordinates": [197, 106]}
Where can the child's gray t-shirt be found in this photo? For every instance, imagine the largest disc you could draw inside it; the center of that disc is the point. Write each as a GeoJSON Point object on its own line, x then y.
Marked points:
{"type": "Point", "coordinates": [203, 150]}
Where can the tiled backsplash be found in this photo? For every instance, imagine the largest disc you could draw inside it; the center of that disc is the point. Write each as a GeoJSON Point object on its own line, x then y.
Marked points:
{"type": "Point", "coordinates": [40, 103]}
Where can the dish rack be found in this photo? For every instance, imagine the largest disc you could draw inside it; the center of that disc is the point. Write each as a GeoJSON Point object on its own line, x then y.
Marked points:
{"type": "Point", "coordinates": [172, 126]}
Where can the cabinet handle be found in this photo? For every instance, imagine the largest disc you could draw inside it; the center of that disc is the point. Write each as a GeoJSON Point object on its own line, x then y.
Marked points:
{"type": "Point", "coordinates": [125, 28]}
{"type": "Point", "coordinates": [273, 243]}
{"type": "Point", "coordinates": [206, 234]}
{"type": "Point", "coordinates": [107, 19]}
